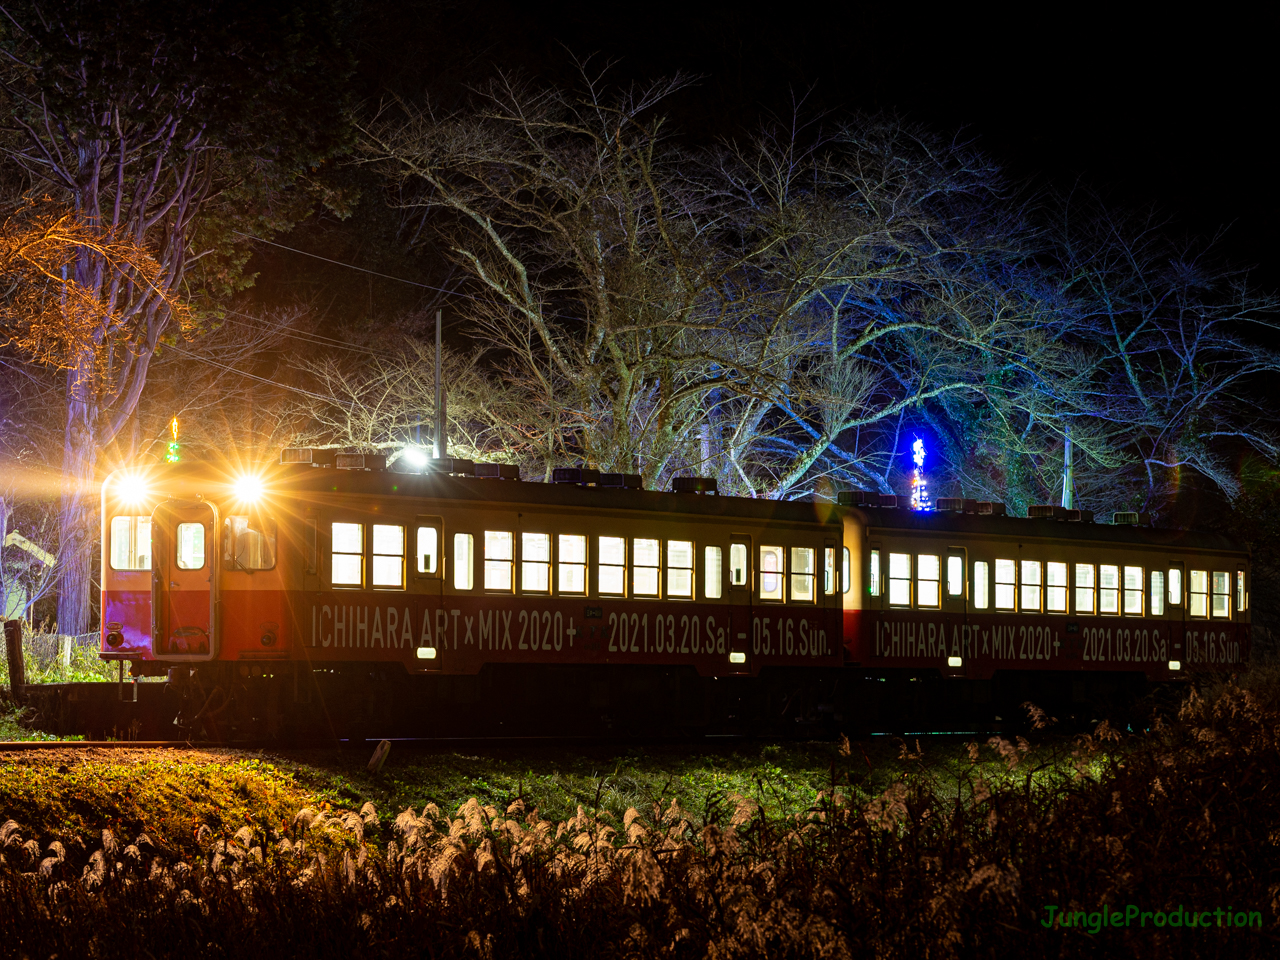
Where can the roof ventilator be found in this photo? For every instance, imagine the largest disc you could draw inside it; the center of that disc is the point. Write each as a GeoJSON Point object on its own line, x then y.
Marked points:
{"type": "Point", "coordinates": [306, 456]}
{"type": "Point", "coordinates": [452, 465]}
{"type": "Point", "coordinates": [1046, 511]}
{"type": "Point", "coordinates": [694, 485]}
{"type": "Point", "coordinates": [1130, 518]}
{"type": "Point", "coordinates": [579, 475]}
{"type": "Point", "coordinates": [988, 508]}
{"type": "Point", "coordinates": [360, 461]}
{"type": "Point", "coordinates": [621, 481]}
{"type": "Point", "coordinates": [497, 471]}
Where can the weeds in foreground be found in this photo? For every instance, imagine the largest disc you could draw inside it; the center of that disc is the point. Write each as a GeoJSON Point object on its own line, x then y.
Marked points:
{"type": "Point", "coordinates": [1186, 815]}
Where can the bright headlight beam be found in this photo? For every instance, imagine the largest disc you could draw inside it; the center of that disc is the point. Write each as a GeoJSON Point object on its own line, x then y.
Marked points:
{"type": "Point", "coordinates": [415, 456]}
{"type": "Point", "coordinates": [248, 488]}
{"type": "Point", "coordinates": [131, 488]}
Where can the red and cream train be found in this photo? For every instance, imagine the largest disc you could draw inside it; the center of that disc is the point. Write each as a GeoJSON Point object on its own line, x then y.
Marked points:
{"type": "Point", "coordinates": [329, 590]}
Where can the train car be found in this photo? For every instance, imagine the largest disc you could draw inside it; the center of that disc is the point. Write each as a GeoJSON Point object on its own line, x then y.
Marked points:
{"type": "Point", "coordinates": [328, 594]}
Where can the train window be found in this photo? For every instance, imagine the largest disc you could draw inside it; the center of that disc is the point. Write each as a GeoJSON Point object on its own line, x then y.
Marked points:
{"type": "Point", "coordinates": [1085, 584]}
{"type": "Point", "coordinates": [844, 580]}
{"type": "Point", "coordinates": [249, 543]}
{"type": "Point", "coordinates": [190, 546]}
{"type": "Point", "coordinates": [873, 580]}
{"type": "Point", "coordinates": [1055, 591]}
{"type": "Point", "coordinates": [348, 555]}
{"type": "Point", "coordinates": [613, 566]}
{"type": "Point", "coordinates": [802, 574]}
{"type": "Point", "coordinates": [535, 562]}
{"type": "Point", "coordinates": [738, 564]}
{"type": "Point", "coordinates": [928, 573]}
{"type": "Point", "coordinates": [680, 569]}
{"type": "Point", "coordinates": [981, 572]}
{"type": "Point", "coordinates": [772, 570]}
{"type": "Point", "coordinates": [130, 543]}
{"type": "Point", "coordinates": [829, 570]}
{"type": "Point", "coordinates": [464, 556]}
{"type": "Point", "coordinates": [1157, 593]}
{"type": "Point", "coordinates": [388, 555]}
{"type": "Point", "coordinates": [900, 579]}
{"type": "Point", "coordinates": [1241, 597]}
{"type": "Point", "coordinates": [1175, 586]}
{"type": "Point", "coordinates": [645, 562]}
{"type": "Point", "coordinates": [712, 574]}
{"type": "Point", "coordinates": [1031, 586]}
{"type": "Point", "coordinates": [955, 576]}
{"type": "Point", "coordinates": [499, 550]}
{"type": "Point", "coordinates": [1108, 588]}
{"type": "Point", "coordinates": [428, 549]}
{"type": "Point", "coordinates": [1198, 593]}
{"type": "Point", "coordinates": [1133, 591]}
{"type": "Point", "coordinates": [571, 572]}
{"type": "Point", "coordinates": [1006, 585]}
{"type": "Point", "coordinates": [1221, 593]}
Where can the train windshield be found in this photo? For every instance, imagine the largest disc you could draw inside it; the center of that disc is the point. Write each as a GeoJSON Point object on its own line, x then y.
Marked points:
{"type": "Point", "coordinates": [130, 543]}
{"type": "Point", "coordinates": [249, 543]}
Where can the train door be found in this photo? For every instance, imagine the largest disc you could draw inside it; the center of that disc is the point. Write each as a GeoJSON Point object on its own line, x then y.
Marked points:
{"type": "Point", "coordinates": [740, 587]}
{"type": "Point", "coordinates": [428, 582]}
{"type": "Point", "coordinates": [184, 588]}
{"type": "Point", "coordinates": [955, 607]}
{"type": "Point", "coordinates": [1176, 609]}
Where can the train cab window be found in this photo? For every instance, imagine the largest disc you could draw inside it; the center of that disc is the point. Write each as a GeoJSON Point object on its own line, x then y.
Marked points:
{"type": "Point", "coordinates": [772, 570]}
{"type": "Point", "coordinates": [1221, 594]}
{"type": "Point", "coordinates": [645, 563]}
{"type": "Point", "coordinates": [1133, 591]}
{"type": "Point", "coordinates": [535, 563]}
{"type": "Point", "coordinates": [347, 566]}
{"type": "Point", "coordinates": [928, 573]}
{"type": "Point", "coordinates": [613, 566]}
{"type": "Point", "coordinates": [130, 543]}
{"type": "Point", "coordinates": [873, 575]}
{"type": "Point", "coordinates": [1108, 589]}
{"type": "Point", "coordinates": [981, 584]}
{"type": "Point", "coordinates": [1006, 584]}
{"type": "Point", "coordinates": [844, 579]}
{"type": "Point", "coordinates": [1242, 599]}
{"type": "Point", "coordinates": [1055, 590]}
{"type": "Point", "coordinates": [571, 571]}
{"type": "Point", "coordinates": [829, 571]}
{"type": "Point", "coordinates": [1198, 593]}
{"type": "Point", "coordinates": [388, 555]}
{"type": "Point", "coordinates": [464, 557]}
{"type": "Point", "coordinates": [190, 546]}
{"type": "Point", "coordinates": [428, 550]}
{"type": "Point", "coordinates": [249, 543]}
{"type": "Point", "coordinates": [1157, 593]}
{"type": "Point", "coordinates": [680, 569]}
{"type": "Point", "coordinates": [1032, 587]}
{"type": "Point", "coordinates": [499, 558]}
{"type": "Point", "coordinates": [802, 574]}
{"type": "Point", "coordinates": [1086, 584]}
{"type": "Point", "coordinates": [900, 579]}
{"type": "Point", "coordinates": [1175, 586]}
{"type": "Point", "coordinates": [712, 573]}
{"type": "Point", "coordinates": [737, 565]}
{"type": "Point", "coordinates": [955, 576]}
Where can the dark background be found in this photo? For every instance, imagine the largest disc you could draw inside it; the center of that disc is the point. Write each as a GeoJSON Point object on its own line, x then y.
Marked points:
{"type": "Point", "coordinates": [1175, 112]}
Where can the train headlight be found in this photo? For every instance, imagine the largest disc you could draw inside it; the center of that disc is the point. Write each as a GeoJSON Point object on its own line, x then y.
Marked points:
{"type": "Point", "coordinates": [415, 457]}
{"type": "Point", "coordinates": [115, 638]}
{"type": "Point", "coordinates": [132, 489]}
{"type": "Point", "coordinates": [737, 658]}
{"type": "Point", "coordinates": [248, 489]}
{"type": "Point", "coordinates": [955, 662]}
{"type": "Point", "coordinates": [426, 653]}
{"type": "Point", "coordinates": [1175, 664]}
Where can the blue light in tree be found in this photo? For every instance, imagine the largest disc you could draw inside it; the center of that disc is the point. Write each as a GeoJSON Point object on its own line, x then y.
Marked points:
{"type": "Point", "coordinates": [919, 488]}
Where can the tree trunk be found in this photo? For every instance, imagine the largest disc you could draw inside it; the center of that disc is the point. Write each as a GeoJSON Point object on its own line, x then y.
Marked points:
{"type": "Point", "coordinates": [79, 515]}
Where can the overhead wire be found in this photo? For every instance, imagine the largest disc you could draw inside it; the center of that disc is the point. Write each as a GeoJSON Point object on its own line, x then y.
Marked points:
{"type": "Point", "coordinates": [254, 376]}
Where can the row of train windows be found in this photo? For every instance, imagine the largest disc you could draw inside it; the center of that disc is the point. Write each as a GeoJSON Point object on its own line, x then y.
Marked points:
{"type": "Point", "coordinates": [247, 544]}
{"type": "Point", "coordinates": [1033, 586]}
{"type": "Point", "coordinates": [642, 567]}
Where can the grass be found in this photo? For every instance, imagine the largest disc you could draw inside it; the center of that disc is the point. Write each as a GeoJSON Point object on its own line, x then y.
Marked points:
{"type": "Point", "coordinates": [84, 667]}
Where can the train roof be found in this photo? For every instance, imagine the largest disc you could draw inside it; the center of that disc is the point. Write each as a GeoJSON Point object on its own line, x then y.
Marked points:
{"type": "Point", "coordinates": [972, 525]}
{"type": "Point", "coordinates": [299, 479]}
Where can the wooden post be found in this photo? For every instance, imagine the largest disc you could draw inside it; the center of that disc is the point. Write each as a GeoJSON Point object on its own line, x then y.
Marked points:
{"type": "Point", "coordinates": [13, 650]}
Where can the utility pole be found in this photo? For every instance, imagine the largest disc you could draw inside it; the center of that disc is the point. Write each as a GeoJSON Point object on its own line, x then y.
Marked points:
{"type": "Point", "coordinates": [441, 444]}
{"type": "Point", "coordinates": [1068, 474]}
